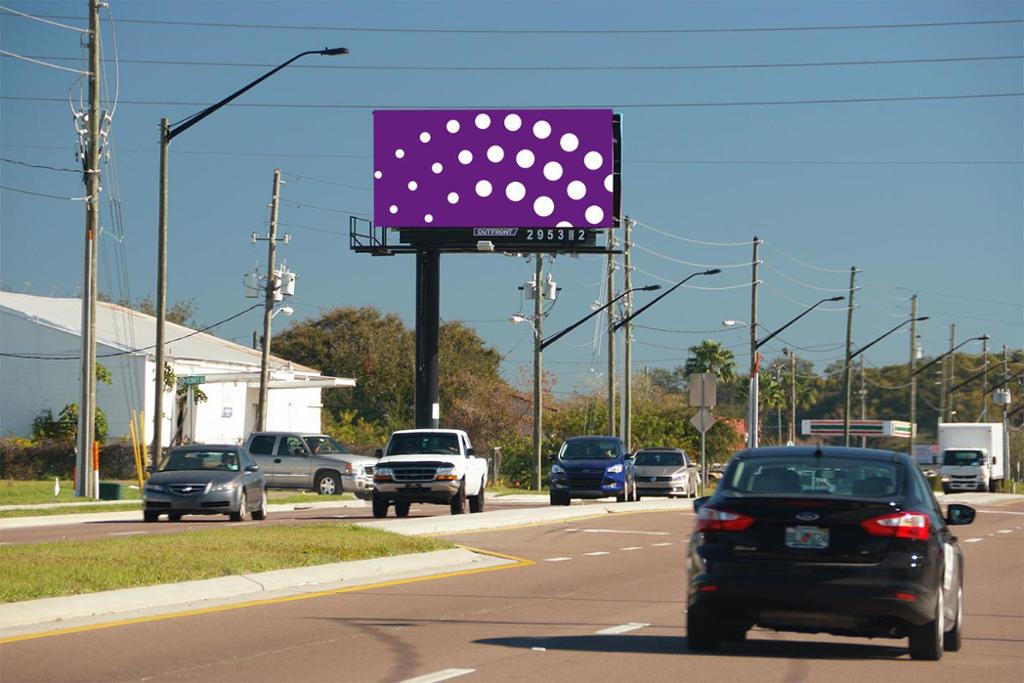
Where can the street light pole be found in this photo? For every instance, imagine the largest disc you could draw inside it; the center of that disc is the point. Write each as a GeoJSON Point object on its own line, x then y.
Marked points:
{"type": "Point", "coordinates": [538, 395]}
{"type": "Point", "coordinates": [168, 133]}
{"type": "Point", "coordinates": [754, 389]}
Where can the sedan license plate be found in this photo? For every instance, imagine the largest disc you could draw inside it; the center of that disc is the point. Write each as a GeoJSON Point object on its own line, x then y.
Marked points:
{"type": "Point", "coordinates": [806, 537]}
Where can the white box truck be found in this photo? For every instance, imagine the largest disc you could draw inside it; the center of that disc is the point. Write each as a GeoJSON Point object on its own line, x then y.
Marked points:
{"type": "Point", "coordinates": [972, 457]}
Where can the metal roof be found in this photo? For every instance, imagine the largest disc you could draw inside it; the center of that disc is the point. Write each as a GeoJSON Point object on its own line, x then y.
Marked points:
{"type": "Point", "coordinates": [130, 331]}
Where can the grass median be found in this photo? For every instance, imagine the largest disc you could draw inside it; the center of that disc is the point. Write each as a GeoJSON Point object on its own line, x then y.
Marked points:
{"type": "Point", "coordinates": [46, 570]}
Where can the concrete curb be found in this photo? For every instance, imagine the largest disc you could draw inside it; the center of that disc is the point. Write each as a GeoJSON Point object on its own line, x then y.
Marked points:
{"type": "Point", "coordinates": [30, 616]}
{"type": "Point", "coordinates": [136, 515]}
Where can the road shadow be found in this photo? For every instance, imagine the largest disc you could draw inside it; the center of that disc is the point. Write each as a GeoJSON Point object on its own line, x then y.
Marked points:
{"type": "Point", "coordinates": [670, 645]}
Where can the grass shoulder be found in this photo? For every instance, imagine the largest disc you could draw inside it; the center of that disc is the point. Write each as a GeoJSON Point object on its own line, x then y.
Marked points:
{"type": "Point", "coordinates": [54, 569]}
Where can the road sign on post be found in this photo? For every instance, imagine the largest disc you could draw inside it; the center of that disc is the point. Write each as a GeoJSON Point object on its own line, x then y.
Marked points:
{"type": "Point", "coordinates": [703, 390]}
{"type": "Point", "coordinates": [703, 420]}
{"type": "Point", "coordinates": [702, 394]}
{"type": "Point", "coordinates": [191, 380]}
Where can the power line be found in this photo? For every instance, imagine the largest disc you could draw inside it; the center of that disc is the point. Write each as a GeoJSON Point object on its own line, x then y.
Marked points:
{"type": "Point", "coordinates": [691, 241]}
{"type": "Point", "coordinates": [802, 263]}
{"type": "Point", "coordinates": [773, 162]}
{"type": "Point", "coordinates": [41, 194]}
{"type": "Point", "coordinates": [42, 166]}
{"type": "Point", "coordinates": [40, 62]}
{"type": "Point", "coordinates": [804, 284]}
{"type": "Point", "coordinates": [46, 20]}
{"type": "Point", "coordinates": [689, 263]}
{"type": "Point", "coordinates": [618, 105]}
{"type": "Point", "coordinates": [609, 67]}
{"type": "Point", "coordinates": [555, 31]}
{"type": "Point", "coordinates": [326, 182]}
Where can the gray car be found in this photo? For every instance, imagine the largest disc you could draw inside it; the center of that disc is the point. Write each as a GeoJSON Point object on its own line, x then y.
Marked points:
{"type": "Point", "coordinates": [206, 480]}
{"type": "Point", "coordinates": [665, 472]}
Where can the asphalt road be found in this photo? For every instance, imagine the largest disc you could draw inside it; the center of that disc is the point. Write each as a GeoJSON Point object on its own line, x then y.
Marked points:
{"type": "Point", "coordinates": [603, 600]}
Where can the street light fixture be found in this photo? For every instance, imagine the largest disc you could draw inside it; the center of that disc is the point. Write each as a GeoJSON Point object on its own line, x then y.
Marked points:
{"type": "Point", "coordinates": [168, 133]}
{"type": "Point", "coordinates": [752, 426]}
{"type": "Point", "coordinates": [713, 271]}
{"type": "Point", "coordinates": [558, 335]}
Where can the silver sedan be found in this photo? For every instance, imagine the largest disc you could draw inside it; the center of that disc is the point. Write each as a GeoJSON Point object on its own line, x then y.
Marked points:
{"type": "Point", "coordinates": [206, 480]}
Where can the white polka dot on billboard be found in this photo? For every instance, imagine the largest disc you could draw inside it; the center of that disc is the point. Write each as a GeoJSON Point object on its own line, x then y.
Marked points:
{"type": "Point", "coordinates": [552, 170]}
{"type": "Point", "coordinates": [412, 185]}
{"type": "Point", "coordinates": [515, 191]}
{"type": "Point", "coordinates": [393, 209]}
{"type": "Point", "coordinates": [436, 167]}
{"type": "Point", "coordinates": [452, 126]}
{"type": "Point", "coordinates": [465, 157]}
{"type": "Point", "coordinates": [495, 153]}
{"type": "Point", "coordinates": [378, 175]}
{"type": "Point", "coordinates": [569, 142]}
{"type": "Point", "coordinates": [525, 158]}
{"type": "Point", "coordinates": [453, 198]}
{"type": "Point", "coordinates": [513, 122]}
{"type": "Point", "coordinates": [576, 190]}
{"type": "Point", "coordinates": [593, 160]}
{"type": "Point", "coordinates": [542, 129]}
{"type": "Point", "coordinates": [399, 153]}
{"type": "Point", "coordinates": [424, 137]}
{"type": "Point", "coordinates": [483, 121]}
{"type": "Point", "coordinates": [543, 206]}
{"type": "Point", "coordinates": [594, 214]}
{"type": "Point", "coordinates": [483, 188]}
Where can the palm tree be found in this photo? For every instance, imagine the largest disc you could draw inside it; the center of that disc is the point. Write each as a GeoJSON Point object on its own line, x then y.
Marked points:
{"type": "Point", "coordinates": [772, 391]}
{"type": "Point", "coordinates": [711, 356]}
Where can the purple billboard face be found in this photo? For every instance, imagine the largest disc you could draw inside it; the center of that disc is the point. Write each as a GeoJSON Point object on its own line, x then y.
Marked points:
{"type": "Point", "coordinates": [529, 168]}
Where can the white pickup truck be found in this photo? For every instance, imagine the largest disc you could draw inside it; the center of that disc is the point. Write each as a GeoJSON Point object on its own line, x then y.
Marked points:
{"type": "Point", "coordinates": [428, 466]}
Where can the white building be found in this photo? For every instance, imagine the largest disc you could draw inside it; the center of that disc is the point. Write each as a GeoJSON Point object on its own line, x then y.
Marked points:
{"type": "Point", "coordinates": [40, 347]}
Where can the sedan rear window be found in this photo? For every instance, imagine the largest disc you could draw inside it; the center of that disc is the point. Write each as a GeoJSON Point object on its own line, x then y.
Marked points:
{"type": "Point", "coordinates": [829, 475]}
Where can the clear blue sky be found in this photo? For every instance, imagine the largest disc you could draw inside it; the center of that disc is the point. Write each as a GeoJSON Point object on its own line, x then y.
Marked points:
{"type": "Point", "coordinates": [896, 188]}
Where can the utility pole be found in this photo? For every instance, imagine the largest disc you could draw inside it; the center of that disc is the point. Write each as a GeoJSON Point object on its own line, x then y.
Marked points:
{"type": "Point", "coordinates": [161, 299]}
{"type": "Point", "coordinates": [752, 425]}
{"type": "Point", "coordinates": [792, 395]}
{"type": "Point", "coordinates": [627, 359]}
{"type": "Point", "coordinates": [611, 333]}
{"type": "Point", "coordinates": [538, 398]}
{"type": "Point", "coordinates": [913, 375]}
{"type": "Point", "coordinates": [863, 402]}
{"type": "Point", "coordinates": [951, 376]}
{"type": "Point", "coordinates": [268, 307]}
{"type": "Point", "coordinates": [87, 407]}
{"type": "Point", "coordinates": [847, 369]}
{"type": "Point", "coordinates": [984, 379]}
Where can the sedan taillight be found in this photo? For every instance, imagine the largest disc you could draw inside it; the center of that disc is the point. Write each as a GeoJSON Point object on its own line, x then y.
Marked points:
{"type": "Point", "coordinates": [911, 525]}
{"type": "Point", "coordinates": [713, 519]}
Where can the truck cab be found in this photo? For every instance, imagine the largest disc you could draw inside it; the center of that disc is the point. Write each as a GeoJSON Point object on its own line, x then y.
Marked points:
{"type": "Point", "coordinates": [971, 456]}
{"type": "Point", "coordinates": [428, 466]}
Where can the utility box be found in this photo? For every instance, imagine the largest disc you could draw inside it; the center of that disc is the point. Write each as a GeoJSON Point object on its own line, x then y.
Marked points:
{"type": "Point", "coordinates": [110, 490]}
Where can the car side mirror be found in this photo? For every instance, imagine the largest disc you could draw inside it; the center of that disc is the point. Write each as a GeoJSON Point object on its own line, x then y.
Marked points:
{"type": "Point", "coordinates": [700, 502]}
{"type": "Point", "coordinates": [252, 468]}
{"type": "Point", "coordinates": [957, 513]}
{"type": "Point", "coordinates": [631, 456]}
{"type": "Point", "coordinates": [378, 453]}
{"type": "Point", "coordinates": [552, 457]}
{"type": "Point", "coordinates": [470, 452]}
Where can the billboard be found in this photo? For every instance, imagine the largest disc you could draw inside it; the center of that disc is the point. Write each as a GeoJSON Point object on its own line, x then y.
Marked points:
{"type": "Point", "coordinates": [493, 168]}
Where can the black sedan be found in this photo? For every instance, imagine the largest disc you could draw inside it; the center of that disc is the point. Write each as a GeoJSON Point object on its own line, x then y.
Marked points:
{"type": "Point", "coordinates": [206, 480]}
{"type": "Point", "coordinates": [847, 541]}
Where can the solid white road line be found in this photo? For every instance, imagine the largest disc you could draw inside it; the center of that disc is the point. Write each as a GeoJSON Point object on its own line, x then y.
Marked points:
{"type": "Point", "coordinates": [622, 628]}
{"type": "Point", "coordinates": [443, 675]}
{"type": "Point", "coordinates": [972, 540]}
{"type": "Point", "coordinates": [1001, 512]}
{"type": "Point", "coordinates": [599, 552]}
{"type": "Point", "coordinates": [557, 559]}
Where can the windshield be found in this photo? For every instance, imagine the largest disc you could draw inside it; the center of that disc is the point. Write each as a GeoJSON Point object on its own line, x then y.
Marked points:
{"type": "Point", "coordinates": [324, 445]}
{"type": "Point", "coordinates": [961, 458]}
{"type": "Point", "coordinates": [224, 461]}
{"type": "Point", "coordinates": [428, 443]}
{"type": "Point", "coordinates": [589, 449]}
{"type": "Point", "coordinates": [659, 459]}
{"type": "Point", "coordinates": [830, 476]}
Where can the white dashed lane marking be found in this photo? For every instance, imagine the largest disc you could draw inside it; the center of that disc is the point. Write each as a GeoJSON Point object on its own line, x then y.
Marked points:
{"type": "Point", "coordinates": [557, 559]}
{"type": "Point", "coordinates": [972, 540]}
{"type": "Point", "coordinates": [657, 545]}
{"type": "Point", "coordinates": [442, 675]}
{"type": "Point", "coordinates": [599, 552]}
{"type": "Point", "coordinates": [622, 628]}
{"type": "Point", "coordinates": [632, 547]}
{"type": "Point", "coordinates": [1005, 531]}
{"type": "Point", "coordinates": [619, 531]}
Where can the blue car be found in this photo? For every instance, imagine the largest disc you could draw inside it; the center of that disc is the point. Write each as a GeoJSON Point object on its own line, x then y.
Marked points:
{"type": "Point", "coordinates": [593, 467]}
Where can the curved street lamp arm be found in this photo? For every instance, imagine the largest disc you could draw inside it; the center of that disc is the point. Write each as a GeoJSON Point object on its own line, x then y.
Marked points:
{"type": "Point", "coordinates": [776, 332]}
{"type": "Point", "coordinates": [952, 350]}
{"type": "Point", "coordinates": [661, 296]}
{"type": "Point", "coordinates": [558, 335]}
{"type": "Point", "coordinates": [872, 343]}
{"type": "Point", "coordinates": [199, 116]}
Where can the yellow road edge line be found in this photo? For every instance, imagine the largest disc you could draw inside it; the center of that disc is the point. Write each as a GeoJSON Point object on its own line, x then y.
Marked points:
{"type": "Point", "coordinates": [517, 563]}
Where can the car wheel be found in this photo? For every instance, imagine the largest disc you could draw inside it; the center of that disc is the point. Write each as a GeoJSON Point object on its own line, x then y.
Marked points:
{"type": "Point", "coordinates": [476, 503]}
{"type": "Point", "coordinates": [260, 513]}
{"type": "Point", "coordinates": [243, 511]}
{"type": "Point", "coordinates": [148, 516]}
{"type": "Point", "coordinates": [993, 486]}
{"type": "Point", "coordinates": [926, 639]}
{"type": "Point", "coordinates": [701, 633]}
{"type": "Point", "coordinates": [636, 493]}
{"type": "Point", "coordinates": [401, 508]}
{"type": "Point", "coordinates": [380, 505]}
{"type": "Point", "coordinates": [459, 500]}
{"type": "Point", "coordinates": [558, 499]}
{"type": "Point", "coordinates": [952, 639]}
{"type": "Point", "coordinates": [174, 517]}
{"type": "Point", "coordinates": [327, 484]}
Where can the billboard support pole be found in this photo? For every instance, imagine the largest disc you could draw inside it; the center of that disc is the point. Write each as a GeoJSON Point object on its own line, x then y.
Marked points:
{"type": "Point", "coordinates": [428, 328]}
